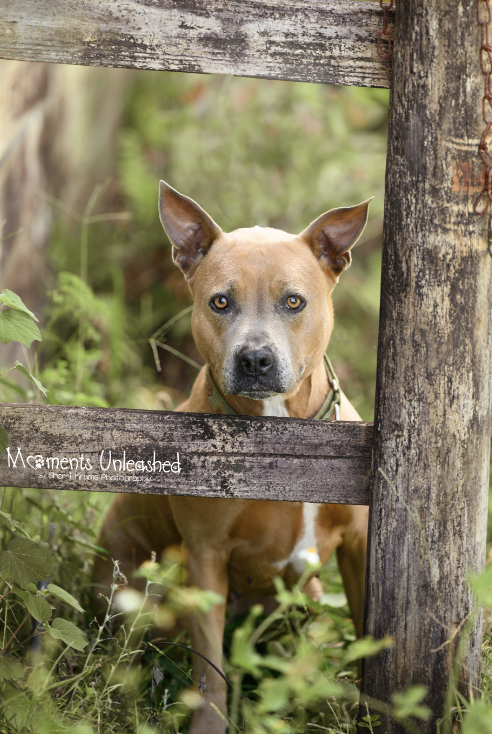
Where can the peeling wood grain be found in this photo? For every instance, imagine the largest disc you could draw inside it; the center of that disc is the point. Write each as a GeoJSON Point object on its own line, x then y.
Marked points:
{"type": "Point", "coordinates": [301, 40]}
{"type": "Point", "coordinates": [219, 456]}
{"type": "Point", "coordinates": [433, 398]}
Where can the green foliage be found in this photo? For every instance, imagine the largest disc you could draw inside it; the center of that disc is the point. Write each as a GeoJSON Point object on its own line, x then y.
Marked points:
{"type": "Point", "coordinates": [482, 586]}
{"type": "Point", "coordinates": [24, 562]}
{"type": "Point", "coordinates": [10, 667]}
{"type": "Point", "coordinates": [26, 598]}
{"type": "Point", "coordinates": [26, 373]}
{"type": "Point", "coordinates": [37, 607]}
{"type": "Point", "coordinates": [74, 370]}
{"type": "Point", "coordinates": [4, 440]}
{"type": "Point", "coordinates": [409, 704]}
{"type": "Point", "coordinates": [478, 719]}
{"type": "Point", "coordinates": [267, 153]}
{"type": "Point", "coordinates": [370, 722]}
{"type": "Point", "coordinates": [64, 596]}
{"type": "Point", "coordinates": [289, 664]}
{"type": "Point", "coordinates": [12, 300]}
{"type": "Point", "coordinates": [16, 708]}
{"type": "Point", "coordinates": [366, 647]}
{"type": "Point", "coordinates": [62, 629]}
{"type": "Point", "coordinates": [17, 325]}
{"type": "Point", "coordinates": [6, 519]}
{"type": "Point", "coordinates": [16, 321]}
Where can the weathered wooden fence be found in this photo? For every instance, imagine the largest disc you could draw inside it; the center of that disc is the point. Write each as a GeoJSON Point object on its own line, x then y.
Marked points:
{"type": "Point", "coordinates": [186, 453]}
{"type": "Point", "coordinates": [433, 407]}
{"type": "Point", "coordinates": [303, 40]}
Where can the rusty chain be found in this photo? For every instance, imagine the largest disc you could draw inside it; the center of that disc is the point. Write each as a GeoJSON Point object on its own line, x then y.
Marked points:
{"type": "Point", "coordinates": [484, 201]}
{"type": "Point", "coordinates": [385, 7]}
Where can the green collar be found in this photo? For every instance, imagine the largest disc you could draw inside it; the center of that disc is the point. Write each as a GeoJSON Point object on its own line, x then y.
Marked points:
{"type": "Point", "coordinates": [330, 407]}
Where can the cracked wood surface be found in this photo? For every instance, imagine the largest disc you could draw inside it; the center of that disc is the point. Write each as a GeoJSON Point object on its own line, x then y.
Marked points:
{"type": "Point", "coordinates": [300, 40]}
{"type": "Point", "coordinates": [433, 397]}
{"type": "Point", "coordinates": [219, 456]}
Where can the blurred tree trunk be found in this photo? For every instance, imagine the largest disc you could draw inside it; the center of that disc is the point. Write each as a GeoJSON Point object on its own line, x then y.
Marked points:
{"type": "Point", "coordinates": [59, 126]}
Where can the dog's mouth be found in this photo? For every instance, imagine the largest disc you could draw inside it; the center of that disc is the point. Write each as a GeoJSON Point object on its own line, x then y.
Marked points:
{"type": "Point", "coordinates": [258, 394]}
{"type": "Point", "coordinates": [259, 389]}
{"type": "Point", "coordinates": [256, 389]}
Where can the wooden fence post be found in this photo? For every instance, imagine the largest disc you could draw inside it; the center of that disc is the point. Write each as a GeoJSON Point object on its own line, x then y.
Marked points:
{"type": "Point", "coordinates": [433, 402]}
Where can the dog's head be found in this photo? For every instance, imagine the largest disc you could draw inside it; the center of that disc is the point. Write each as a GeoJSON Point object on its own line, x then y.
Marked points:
{"type": "Point", "coordinates": [263, 314]}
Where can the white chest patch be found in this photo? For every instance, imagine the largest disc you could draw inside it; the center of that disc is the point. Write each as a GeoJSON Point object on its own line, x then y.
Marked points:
{"type": "Point", "coordinates": [275, 407]}
{"type": "Point", "coordinates": [306, 540]}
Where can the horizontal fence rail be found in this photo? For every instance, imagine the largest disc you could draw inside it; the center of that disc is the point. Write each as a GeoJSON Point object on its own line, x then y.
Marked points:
{"type": "Point", "coordinates": [156, 452]}
{"type": "Point", "coordinates": [299, 40]}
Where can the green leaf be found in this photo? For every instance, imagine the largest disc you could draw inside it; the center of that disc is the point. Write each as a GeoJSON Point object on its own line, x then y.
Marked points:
{"type": "Point", "coordinates": [477, 719]}
{"type": "Point", "coordinates": [15, 707]}
{"type": "Point", "coordinates": [408, 704]}
{"type": "Point", "coordinates": [372, 721]}
{"type": "Point", "coordinates": [333, 600]}
{"type": "Point", "coordinates": [366, 646]}
{"type": "Point", "coordinates": [4, 440]}
{"type": "Point", "coordinates": [36, 605]}
{"type": "Point", "coordinates": [16, 326]}
{"type": "Point", "coordinates": [275, 694]}
{"type": "Point", "coordinates": [482, 586]}
{"type": "Point", "coordinates": [21, 368]}
{"type": "Point", "coordinates": [62, 629]}
{"type": "Point", "coordinates": [64, 596]}
{"type": "Point", "coordinates": [195, 598]}
{"type": "Point", "coordinates": [10, 667]}
{"type": "Point", "coordinates": [25, 561]}
{"type": "Point", "coordinates": [38, 608]}
{"type": "Point", "coordinates": [14, 301]}
{"type": "Point", "coordinates": [6, 519]}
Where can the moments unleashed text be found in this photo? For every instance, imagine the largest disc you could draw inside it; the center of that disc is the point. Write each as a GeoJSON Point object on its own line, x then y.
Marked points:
{"type": "Point", "coordinates": [111, 468]}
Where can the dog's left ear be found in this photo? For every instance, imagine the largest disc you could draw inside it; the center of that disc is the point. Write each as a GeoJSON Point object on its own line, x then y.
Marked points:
{"type": "Point", "coordinates": [332, 235]}
{"type": "Point", "coordinates": [190, 229]}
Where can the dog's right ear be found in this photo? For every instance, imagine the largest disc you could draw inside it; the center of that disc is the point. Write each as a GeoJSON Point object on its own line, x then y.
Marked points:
{"type": "Point", "coordinates": [189, 228]}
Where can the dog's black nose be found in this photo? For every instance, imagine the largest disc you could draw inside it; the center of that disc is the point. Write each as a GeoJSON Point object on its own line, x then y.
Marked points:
{"type": "Point", "coordinates": [255, 362]}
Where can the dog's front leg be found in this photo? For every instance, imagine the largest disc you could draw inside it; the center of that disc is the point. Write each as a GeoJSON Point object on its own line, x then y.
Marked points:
{"type": "Point", "coordinates": [208, 570]}
{"type": "Point", "coordinates": [352, 563]}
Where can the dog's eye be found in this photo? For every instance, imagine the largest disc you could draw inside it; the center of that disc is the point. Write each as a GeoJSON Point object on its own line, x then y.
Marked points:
{"type": "Point", "coordinates": [220, 302]}
{"type": "Point", "coordinates": [293, 302]}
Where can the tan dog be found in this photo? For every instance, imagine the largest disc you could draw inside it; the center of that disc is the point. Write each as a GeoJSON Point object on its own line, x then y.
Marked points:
{"type": "Point", "coordinates": [262, 321]}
